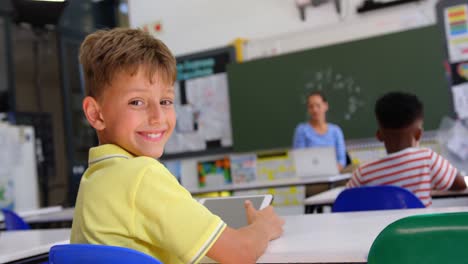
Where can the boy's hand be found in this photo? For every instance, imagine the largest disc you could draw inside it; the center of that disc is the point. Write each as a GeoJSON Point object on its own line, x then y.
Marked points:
{"type": "Point", "coordinates": [248, 243]}
{"type": "Point", "coordinates": [266, 218]}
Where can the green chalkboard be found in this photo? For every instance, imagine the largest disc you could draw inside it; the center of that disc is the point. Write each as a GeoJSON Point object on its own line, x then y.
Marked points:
{"type": "Point", "coordinates": [268, 96]}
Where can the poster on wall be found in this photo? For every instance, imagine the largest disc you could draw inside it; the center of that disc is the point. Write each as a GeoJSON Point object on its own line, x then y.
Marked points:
{"type": "Point", "coordinates": [214, 173]}
{"type": "Point", "coordinates": [202, 104]}
{"type": "Point", "coordinates": [459, 72]}
{"type": "Point", "coordinates": [460, 99]}
{"type": "Point", "coordinates": [244, 168]}
{"type": "Point", "coordinates": [456, 31]}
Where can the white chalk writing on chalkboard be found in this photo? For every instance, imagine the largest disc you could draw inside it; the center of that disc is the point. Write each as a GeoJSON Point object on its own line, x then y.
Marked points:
{"type": "Point", "coordinates": [335, 85]}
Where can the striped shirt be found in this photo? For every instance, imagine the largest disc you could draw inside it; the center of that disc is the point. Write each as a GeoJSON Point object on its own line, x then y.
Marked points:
{"type": "Point", "coordinates": [419, 170]}
{"type": "Point", "coordinates": [305, 137]}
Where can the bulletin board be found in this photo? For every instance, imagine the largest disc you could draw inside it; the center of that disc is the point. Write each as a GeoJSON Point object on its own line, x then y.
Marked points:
{"type": "Point", "coordinates": [452, 18]}
{"type": "Point", "coordinates": [202, 105]}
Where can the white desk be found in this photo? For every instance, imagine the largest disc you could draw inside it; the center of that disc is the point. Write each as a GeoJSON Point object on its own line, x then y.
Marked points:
{"type": "Point", "coordinates": [328, 197]}
{"type": "Point", "coordinates": [334, 238]}
{"type": "Point", "coordinates": [273, 184]}
{"type": "Point", "coordinates": [17, 245]}
{"type": "Point", "coordinates": [44, 210]}
{"type": "Point", "coordinates": [65, 215]}
{"type": "Point", "coordinates": [447, 194]}
{"type": "Point", "coordinates": [323, 238]}
{"type": "Point", "coordinates": [324, 198]}
{"type": "Point", "coordinates": [54, 217]}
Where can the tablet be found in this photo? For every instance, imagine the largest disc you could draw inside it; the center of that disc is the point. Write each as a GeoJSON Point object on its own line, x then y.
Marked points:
{"type": "Point", "coordinates": [232, 210]}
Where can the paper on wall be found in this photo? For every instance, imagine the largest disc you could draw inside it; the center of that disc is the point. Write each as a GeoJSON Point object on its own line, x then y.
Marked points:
{"type": "Point", "coordinates": [185, 118]}
{"type": "Point", "coordinates": [214, 173]}
{"type": "Point", "coordinates": [460, 100]}
{"type": "Point", "coordinates": [185, 142]}
{"type": "Point", "coordinates": [244, 168]}
{"type": "Point", "coordinates": [203, 114]}
{"type": "Point", "coordinates": [210, 96]}
{"type": "Point", "coordinates": [456, 29]}
{"type": "Point", "coordinates": [458, 142]}
{"type": "Point", "coordinates": [274, 167]}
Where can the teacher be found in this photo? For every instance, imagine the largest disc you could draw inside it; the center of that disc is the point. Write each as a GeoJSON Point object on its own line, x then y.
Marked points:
{"type": "Point", "coordinates": [317, 132]}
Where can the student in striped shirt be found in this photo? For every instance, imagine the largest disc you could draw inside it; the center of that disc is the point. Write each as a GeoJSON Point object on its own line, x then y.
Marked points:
{"type": "Point", "coordinates": [420, 170]}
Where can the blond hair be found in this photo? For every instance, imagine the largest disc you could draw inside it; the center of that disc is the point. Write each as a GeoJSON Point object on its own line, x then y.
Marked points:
{"type": "Point", "coordinates": [105, 53]}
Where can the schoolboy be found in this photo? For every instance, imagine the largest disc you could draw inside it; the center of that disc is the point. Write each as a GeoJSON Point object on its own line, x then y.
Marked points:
{"type": "Point", "coordinates": [420, 170]}
{"type": "Point", "coordinates": [126, 197]}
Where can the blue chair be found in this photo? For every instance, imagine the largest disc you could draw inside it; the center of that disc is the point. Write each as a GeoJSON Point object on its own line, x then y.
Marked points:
{"type": "Point", "coordinates": [97, 254]}
{"type": "Point", "coordinates": [375, 198]}
{"type": "Point", "coordinates": [14, 221]}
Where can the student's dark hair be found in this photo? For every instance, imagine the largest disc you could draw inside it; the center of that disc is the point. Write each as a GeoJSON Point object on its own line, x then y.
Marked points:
{"type": "Point", "coordinates": [397, 110]}
{"type": "Point", "coordinates": [317, 93]}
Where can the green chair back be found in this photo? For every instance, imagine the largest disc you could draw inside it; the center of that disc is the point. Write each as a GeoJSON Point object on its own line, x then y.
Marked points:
{"type": "Point", "coordinates": [428, 239]}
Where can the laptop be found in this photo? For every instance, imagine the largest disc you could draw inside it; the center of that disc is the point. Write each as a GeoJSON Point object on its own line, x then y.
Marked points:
{"type": "Point", "coordinates": [315, 162]}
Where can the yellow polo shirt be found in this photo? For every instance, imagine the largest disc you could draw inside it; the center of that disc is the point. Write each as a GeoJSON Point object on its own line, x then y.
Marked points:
{"type": "Point", "coordinates": [136, 202]}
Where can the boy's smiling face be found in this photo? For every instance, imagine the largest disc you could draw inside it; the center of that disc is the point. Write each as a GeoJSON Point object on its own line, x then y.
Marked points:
{"type": "Point", "coordinates": [134, 113]}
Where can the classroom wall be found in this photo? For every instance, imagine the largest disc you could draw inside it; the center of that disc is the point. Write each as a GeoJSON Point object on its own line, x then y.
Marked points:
{"type": "Point", "coordinates": [3, 69]}
{"type": "Point", "coordinates": [271, 27]}
{"type": "Point", "coordinates": [191, 26]}
{"type": "Point", "coordinates": [51, 97]}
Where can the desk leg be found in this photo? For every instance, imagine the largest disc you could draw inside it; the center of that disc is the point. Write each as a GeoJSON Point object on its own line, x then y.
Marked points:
{"type": "Point", "coordinates": [40, 259]}
{"type": "Point", "coordinates": [319, 209]}
{"type": "Point", "coordinates": [311, 209]}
